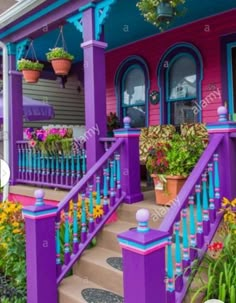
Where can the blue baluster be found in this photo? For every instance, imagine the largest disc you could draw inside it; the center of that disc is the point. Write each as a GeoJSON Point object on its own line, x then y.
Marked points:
{"type": "Point", "coordinates": [62, 169]}
{"type": "Point", "coordinates": [105, 191]}
{"type": "Point", "coordinates": [39, 171]}
{"type": "Point", "coordinates": [26, 162]}
{"type": "Point", "coordinates": [170, 274]}
{"type": "Point", "coordinates": [53, 169]}
{"type": "Point", "coordinates": [118, 176]}
{"type": "Point", "coordinates": [186, 255]}
{"type": "Point", "coordinates": [19, 161]}
{"type": "Point", "coordinates": [35, 164]}
{"type": "Point", "coordinates": [91, 218]}
{"type": "Point", "coordinates": [217, 182]}
{"type": "Point", "coordinates": [47, 168]}
{"type": "Point", "coordinates": [23, 162]}
{"type": "Point", "coordinates": [67, 169]}
{"type": "Point", "coordinates": [57, 169]}
{"type": "Point", "coordinates": [98, 191]}
{"type": "Point", "coordinates": [43, 168]}
{"type": "Point", "coordinates": [72, 169]}
{"type": "Point", "coordinates": [212, 211]}
{"type": "Point", "coordinates": [78, 167]}
{"type": "Point", "coordinates": [115, 169]}
{"type": "Point", "coordinates": [83, 221]}
{"type": "Point", "coordinates": [200, 235]}
{"type": "Point", "coordinates": [178, 259]}
{"type": "Point", "coordinates": [67, 238]}
{"type": "Point", "coordinates": [58, 248]}
{"type": "Point", "coordinates": [193, 241]}
{"type": "Point", "coordinates": [83, 162]}
{"type": "Point", "coordinates": [30, 163]}
{"type": "Point", "coordinates": [206, 221]}
{"type": "Point", "coordinates": [112, 184]}
{"type": "Point", "coordinates": [75, 226]}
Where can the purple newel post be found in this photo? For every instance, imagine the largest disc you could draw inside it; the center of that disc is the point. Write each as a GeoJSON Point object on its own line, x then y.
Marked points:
{"type": "Point", "coordinates": [40, 251]}
{"type": "Point", "coordinates": [130, 164]}
{"type": "Point", "coordinates": [143, 253]}
{"type": "Point", "coordinates": [227, 176]}
{"type": "Point", "coordinates": [15, 107]}
{"type": "Point", "coordinates": [95, 89]}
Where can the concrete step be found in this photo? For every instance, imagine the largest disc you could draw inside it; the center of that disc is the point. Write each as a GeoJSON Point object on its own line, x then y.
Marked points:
{"type": "Point", "coordinates": [107, 238]}
{"type": "Point", "coordinates": [70, 290]}
{"type": "Point", "coordinates": [93, 267]}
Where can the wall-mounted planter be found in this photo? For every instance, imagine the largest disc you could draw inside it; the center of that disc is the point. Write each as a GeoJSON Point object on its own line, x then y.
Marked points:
{"type": "Point", "coordinates": [164, 11]}
{"type": "Point", "coordinates": [61, 67]}
{"type": "Point", "coordinates": [31, 76]}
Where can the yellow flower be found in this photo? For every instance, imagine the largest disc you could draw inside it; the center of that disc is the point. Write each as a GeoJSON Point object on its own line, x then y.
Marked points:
{"type": "Point", "coordinates": [98, 211]}
{"type": "Point", "coordinates": [233, 203]}
{"type": "Point", "coordinates": [4, 245]}
{"type": "Point", "coordinates": [225, 202]}
{"type": "Point", "coordinates": [16, 231]}
{"type": "Point", "coordinates": [15, 224]}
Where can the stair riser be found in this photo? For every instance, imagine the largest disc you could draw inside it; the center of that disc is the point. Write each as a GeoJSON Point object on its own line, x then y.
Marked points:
{"type": "Point", "coordinates": [108, 240]}
{"type": "Point", "coordinates": [107, 278]}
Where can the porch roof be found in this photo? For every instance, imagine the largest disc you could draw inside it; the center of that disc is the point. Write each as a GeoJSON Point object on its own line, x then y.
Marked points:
{"type": "Point", "coordinates": [124, 24]}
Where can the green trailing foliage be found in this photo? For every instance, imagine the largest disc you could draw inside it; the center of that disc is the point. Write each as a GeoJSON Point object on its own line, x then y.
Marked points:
{"type": "Point", "coordinates": [58, 53]}
{"type": "Point", "coordinates": [26, 64]}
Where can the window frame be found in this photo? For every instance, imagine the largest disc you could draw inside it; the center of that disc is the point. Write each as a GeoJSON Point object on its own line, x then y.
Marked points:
{"type": "Point", "coordinates": [121, 74]}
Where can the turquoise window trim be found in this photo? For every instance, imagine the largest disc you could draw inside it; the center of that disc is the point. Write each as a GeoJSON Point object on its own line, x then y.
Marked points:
{"type": "Point", "coordinates": [230, 77]}
{"type": "Point", "coordinates": [33, 18]}
{"type": "Point", "coordinates": [159, 71]}
{"type": "Point", "coordinates": [119, 76]}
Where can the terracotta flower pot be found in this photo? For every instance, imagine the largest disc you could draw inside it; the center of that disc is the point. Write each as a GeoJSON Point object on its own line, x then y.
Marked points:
{"type": "Point", "coordinates": [31, 76]}
{"type": "Point", "coordinates": [61, 66]}
{"type": "Point", "coordinates": [166, 193]}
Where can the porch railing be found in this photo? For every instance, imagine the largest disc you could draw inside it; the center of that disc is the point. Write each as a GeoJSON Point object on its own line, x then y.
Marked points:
{"type": "Point", "coordinates": [79, 216]}
{"type": "Point", "coordinates": [61, 171]}
{"type": "Point", "coordinates": [183, 237]}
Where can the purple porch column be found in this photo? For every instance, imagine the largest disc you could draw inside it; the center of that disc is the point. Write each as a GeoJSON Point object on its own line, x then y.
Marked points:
{"type": "Point", "coordinates": [95, 89]}
{"type": "Point", "coordinates": [40, 251]}
{"type": "Point", "coordinates": [130, 164]}
{"type": "Point", "coordinates": [227, 152]}
{"type": "Point", "coordinates": [143, 253]}
{"type": "Point", "coordinates": [16, 112]}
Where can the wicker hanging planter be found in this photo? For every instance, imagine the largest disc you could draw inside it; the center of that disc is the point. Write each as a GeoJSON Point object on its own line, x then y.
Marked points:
{"type": "Point", "coordinates": [60, 59]}
{"type": "Point", "coordinates": [30, 69]}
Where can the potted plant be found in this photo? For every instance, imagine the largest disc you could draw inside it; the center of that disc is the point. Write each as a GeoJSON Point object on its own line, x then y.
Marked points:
{"type": "Point", "coordinates": [30, 69]}
{"type": "Point", "coordinates": [112, 123]}
{"type": "Point", "coordinates": [160, 12]}
{"type": "Point", "coordinates": [170, 162]}
{"type": "Point", "coordinates": [61, 60]}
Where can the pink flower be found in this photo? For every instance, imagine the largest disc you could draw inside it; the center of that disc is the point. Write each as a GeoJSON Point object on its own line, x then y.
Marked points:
{"type": "Point", "coordinates": [32, 143]}
{"type": "Point", "coordinates": [29, 136]}
{"type": "Point", "coordinates": [53, 131]}
{"type": "Point", "coordinates": [62, 132]}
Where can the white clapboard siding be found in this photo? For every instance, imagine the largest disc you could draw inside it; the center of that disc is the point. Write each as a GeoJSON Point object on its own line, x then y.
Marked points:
{"type": "Point", "coordinates": [67, 102]}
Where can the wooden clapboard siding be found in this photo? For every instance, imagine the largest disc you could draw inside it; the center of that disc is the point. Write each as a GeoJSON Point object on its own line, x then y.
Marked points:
{"type": "Point", "coordinates": [68, 103]}
{"type": "Point", "coordinates": [204, 34]}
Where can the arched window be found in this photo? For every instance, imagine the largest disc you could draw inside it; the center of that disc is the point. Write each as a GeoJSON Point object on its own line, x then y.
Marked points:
{"type": "Point", "coordinates": [180, 85]}
{"type": "Point", "coordinates": [132, 88]}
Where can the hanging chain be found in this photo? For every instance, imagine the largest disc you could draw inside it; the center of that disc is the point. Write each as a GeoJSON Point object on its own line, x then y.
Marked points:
{"type": "Point", "coordinates": [61, 36]}
{"type": "Point", "coordinates": [31, 47]}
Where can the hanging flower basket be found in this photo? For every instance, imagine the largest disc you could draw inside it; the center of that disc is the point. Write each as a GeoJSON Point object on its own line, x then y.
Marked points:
{"type": "Point", "coordinates": [165, 12]}
{"type": "Point", "coordinates": [161, 12]}
{"type": "Point", "coordinates": [30, 70]}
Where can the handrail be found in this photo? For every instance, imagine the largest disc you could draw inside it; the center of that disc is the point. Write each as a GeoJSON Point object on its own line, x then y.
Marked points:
{"type": "Point", "coordinates": [174, 212]}
{"type": "Point", "coordinates": [82, 183]}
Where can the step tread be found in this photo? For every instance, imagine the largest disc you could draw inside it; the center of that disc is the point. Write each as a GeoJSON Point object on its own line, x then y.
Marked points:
{"type": "Point", "coordinates": [119, 226]}
{"type": "Point", "coordinates": [71, 287]}
{"type": "Point", "coordinates": [99, 255]}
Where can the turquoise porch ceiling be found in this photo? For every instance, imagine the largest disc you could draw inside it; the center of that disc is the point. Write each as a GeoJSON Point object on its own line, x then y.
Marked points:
{"type": "Point", "coordinates": [125, 25]}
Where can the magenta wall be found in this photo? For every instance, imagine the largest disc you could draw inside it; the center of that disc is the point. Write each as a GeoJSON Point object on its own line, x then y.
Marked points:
{"type": "Point", "coordinates": [204, 34]}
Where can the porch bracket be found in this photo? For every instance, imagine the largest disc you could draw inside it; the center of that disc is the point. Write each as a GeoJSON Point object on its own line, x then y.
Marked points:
{"type": "Point", "coordinates": [102, 11]}
{"type": "Point", "coordinates": [11, 49]}
{"type": "Point", "coordinates": [21, 48]}
{"type": "Point", "coordinates": [77, 21]}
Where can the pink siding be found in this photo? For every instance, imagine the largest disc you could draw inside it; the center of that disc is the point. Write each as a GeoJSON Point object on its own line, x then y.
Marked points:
{"type": "Point", "coordinates": [204, 34]}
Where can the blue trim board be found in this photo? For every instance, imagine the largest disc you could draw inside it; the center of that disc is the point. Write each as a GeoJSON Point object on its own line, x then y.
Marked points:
{"type": "Point", "coordinates": [33, 18]}
{"type": "Point", "coordinates": [39, 213]}
{"type": "Point", "coordinates": [142, 246]}
{"type": "Point", "coordinates": [230, 46]}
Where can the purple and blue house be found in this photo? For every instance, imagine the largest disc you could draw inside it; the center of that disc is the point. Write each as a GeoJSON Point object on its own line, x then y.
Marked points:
{"type": "Point", "coordinates": [120, 62]}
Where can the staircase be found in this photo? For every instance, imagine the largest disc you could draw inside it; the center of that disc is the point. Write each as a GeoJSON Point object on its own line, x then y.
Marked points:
{"type": "Point", "coordinates": [97, 277]}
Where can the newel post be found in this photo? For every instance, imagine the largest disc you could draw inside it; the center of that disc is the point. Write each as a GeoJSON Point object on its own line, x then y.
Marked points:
{"type": "Point", "coordinates": [144, 269]}
{"type": "Point", "coordinates": [40, 251]}
{"type": "Point", "coordinates": [130, 164]}
{"type": "Point", "coordinates": [225, 157]}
